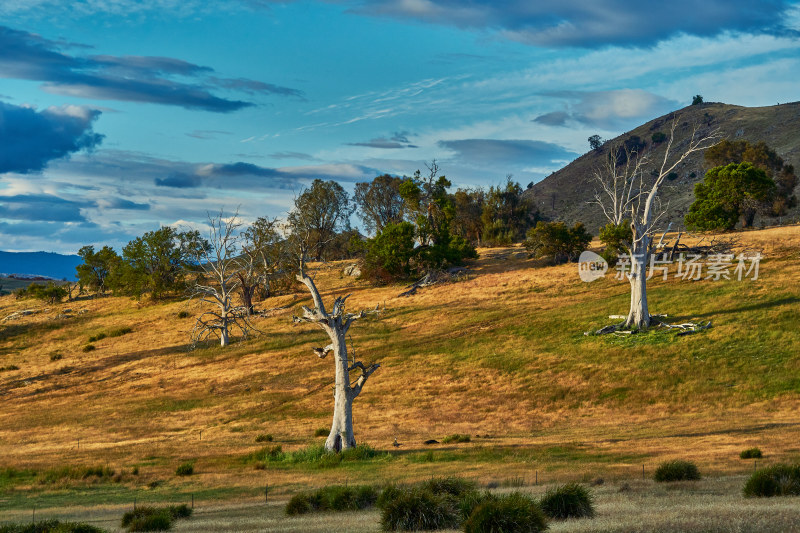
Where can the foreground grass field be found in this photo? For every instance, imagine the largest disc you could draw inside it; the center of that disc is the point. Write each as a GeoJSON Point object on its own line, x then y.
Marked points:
{"type": "Point", "coordinates": [500, 356]}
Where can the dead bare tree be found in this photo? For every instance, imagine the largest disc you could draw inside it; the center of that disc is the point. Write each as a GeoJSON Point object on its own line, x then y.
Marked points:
{"type": "Point", "coordinates": [629, 193]}
{"type": "Point", "coordinates": [336, 324]}
{"type": "Point", "coordinates": [216, 282]}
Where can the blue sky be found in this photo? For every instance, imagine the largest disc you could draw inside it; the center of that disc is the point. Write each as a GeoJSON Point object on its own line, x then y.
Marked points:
{"type": "Point", "coordinates": [118, 116]}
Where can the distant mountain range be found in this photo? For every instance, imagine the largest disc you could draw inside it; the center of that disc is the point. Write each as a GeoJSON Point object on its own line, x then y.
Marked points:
{"type": "Point", "coordinates": [39, 264]}
{"type": "Point", "coordinates": [566, 194]}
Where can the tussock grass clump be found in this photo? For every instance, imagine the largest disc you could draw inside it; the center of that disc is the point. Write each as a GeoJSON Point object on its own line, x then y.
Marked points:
{"type": "Point", "coordinates": [776, 480]}
{"type": "Point", "coordinates": [333, 498]}
{"type": "Point", "coordinates": [89, 348]}
{"type": "Point", "coordinates": [51, 526]}
{"type": "Point", "coordinates": [264, 438]}
{"type": "Point", "coordinates": [55, 356]}
{"type": "Point", "coordinates": [751, 453]}
{"type": "Point", "coordinates": [455, 438]}
{"type": "Point", "coordinates": [417, 509]}
{"type": "Point", "coordinates": [116, 332]}
{"type": "Point", "coordinates": [568, 501]}
{"type": "Point", "coordinates": [438, 503]}
{"type": "Point", "coordinates": [510, 513]}
{"type": "Point", "coordinates": [147, 518]}
{"type": "Point", "coordinates": [316, 456]}
{"type": "Point", "coordinates": [677, 470]}
{"type": "Point", "coordinates": [321, 432]}
{"type": "Point", "coordinates": [185, 469]}
{"type": "Point", "coordinates": [8, 367]}
{"type": "Point", "coordinates": [183, 314]}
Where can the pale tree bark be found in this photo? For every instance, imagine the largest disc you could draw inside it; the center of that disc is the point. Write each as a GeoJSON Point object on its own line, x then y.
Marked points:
{"type": "Point", "coordinates": [216, 282]}
{"type": "Point", "coordinates": [336, 324]}
{"type": "Point", "coordinates": [629, 193]}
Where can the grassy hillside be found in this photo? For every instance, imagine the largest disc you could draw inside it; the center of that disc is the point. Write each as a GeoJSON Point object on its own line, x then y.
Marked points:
{"type": "Point", "coordinates": [500, 356]}
{"type": "Point", "coordinates": [564, 195]}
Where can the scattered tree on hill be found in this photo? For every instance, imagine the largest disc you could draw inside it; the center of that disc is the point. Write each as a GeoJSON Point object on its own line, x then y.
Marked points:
{"type": "Point", "coordinates": [97, 267]}
{"type": "Point", "coordinates": [595, 142]}
{"type": "Point", "coordinates": [556, 240]}
{"type": "Point", "coordinates": [629, 192]}
{"type": "Point", "coordinates": [379, 202]}
{"type": "Point", "coordinates": [319, 213]}
{"type": "Point", "coordinates": [728, 194]}
{"type": "Point", "coordinates": [215, 272]}
{"type": "Point", "coordinates": [468, 205]}
{"type": "Point", "coordinates": [336, 325]}
{"type": "Point", "coordinates": [50, 292]}
{"type": "Point", "coordinates": [697, 99]}
{"type": "Point", "coordinates": [389, 254]}
{"type": "Point", "coordinates": [156, 262]}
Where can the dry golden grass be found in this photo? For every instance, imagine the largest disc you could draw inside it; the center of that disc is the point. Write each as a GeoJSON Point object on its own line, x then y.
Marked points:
{"type": "Point", "coordinates": [500, 356]}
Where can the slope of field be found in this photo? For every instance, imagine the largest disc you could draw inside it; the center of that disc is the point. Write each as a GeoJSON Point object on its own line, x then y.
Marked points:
{"type": "Point", "coordinates": [565, 194]}
{"type": "Point", "coordinates": [500, 356]}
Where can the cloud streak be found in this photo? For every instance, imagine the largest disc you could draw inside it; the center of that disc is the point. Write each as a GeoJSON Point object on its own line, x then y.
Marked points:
{"type": "Point", "coordinates": [603, 22]}
{"type": "Point", "coordinates": [159, 80]}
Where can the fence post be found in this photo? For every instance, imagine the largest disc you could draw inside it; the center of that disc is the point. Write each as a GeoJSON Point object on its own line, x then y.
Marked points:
{"type": "Point", "coordinates": [266, 492]}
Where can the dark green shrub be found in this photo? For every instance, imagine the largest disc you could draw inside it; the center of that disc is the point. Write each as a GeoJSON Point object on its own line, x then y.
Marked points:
{"type": "Point", "coordinates": [776, 480]}
{"type": "Point", "coordinates": [568, 501]}
{"type": "Point", "coordinates": [557, 240]}
{"type": "Point", "coordinates": [321, 432]}
{"type": "Point", "coordinates": [676, 471]}
{"type": "Point", "coordinates": [455, 438]}
{"type": "Point", "coordinates": [416, 509]}
{"type": "Point", "coordinates": [186, 469]}
{"type": "Point", "coordinates": [147, 518]}
{"type": "Point", "coordinates": [89, 347]}
{"type": "Point", "coordinates": [454, 486]}
{"type": "Point", "coordinates": [510, 513]}
{"type": "Point", "coordinates": [119, 332]}
{"type": "Point", "coordinates": [51, 526]}
{"type": "Point", "coordinates": [264, 438]}
{"type": "Point", "coordinates": [183, 314]}
{"type": "Point", "coordinates": [333, 498]}
{"type": "Point", "coordinates": [180, 511]}
{"type": "Point", "coordinates": [389, 493]}
{"type": "Point", "coordinates": [55, 356]}
{"type": "Point", "coordinates": [751, 453]}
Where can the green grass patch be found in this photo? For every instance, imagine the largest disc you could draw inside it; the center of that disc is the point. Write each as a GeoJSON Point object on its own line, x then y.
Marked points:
{"type": "Point", "coordinates": [456, 438]}
{"type": "Point", "coordinates": [148, 518]}
{"type": "Point", "coordinates": [51, 526]}
{"type": "Point", "coordinates": [185, 469]}
{"type": "Point", "coordinates": [315, 456]}
{"type": "Point", "coordinates": [333, 498]}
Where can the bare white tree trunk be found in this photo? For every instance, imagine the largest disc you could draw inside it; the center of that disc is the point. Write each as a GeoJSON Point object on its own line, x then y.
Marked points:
{"type": "Point", "coordinates": [628, 194]}
{"type": "Point", "coordinates": [336, 324]}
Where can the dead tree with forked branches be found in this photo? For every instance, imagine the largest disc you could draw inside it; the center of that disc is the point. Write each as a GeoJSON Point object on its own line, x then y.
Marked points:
{"type": "Point", "coordinates": [216, 282]}
{"type": "Point", "coordinates": [629, 193]}
{"type": "Point", "coordinates": [347, 387]}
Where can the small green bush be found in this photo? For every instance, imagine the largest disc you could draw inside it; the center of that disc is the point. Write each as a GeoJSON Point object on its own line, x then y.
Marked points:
{"type": "Point", "coordinates": [510, 513]}
{"type": "Point", "coordinates": [55, 356]}
{"type": "Point", "coordinates": [186, 469]}
{"type": "Point", "coordinates": [676, 470]}
{"type": "Point", "coordinates": [89, 347]}
{"type": "Point", "coordinates": [751, 453]}
{"type": "Point", "coordinates": [146, 518]}
{"type": "Point", "coordinates": [776, 480]}
{"type": "Point", "coordinates": [568, 501]}
{"type": "Point", "coordinates": [454, 486]}
{"type": "Point", "coordinates": [455, 438]}
{"type": "Point", "coordinates": [321, 432]}
{"type": "Point", "coordinates": [183, 314]}
{"type": "Point", "coordinates": [51, 526]}
{"type": "Point", "coordinates": [332, 498]}
{"type": "Point", "coordinates": [119, 332]}
{"type": "Point", "coordinates": [417, 509]}
{"type": "Point", "coordinates": [264, 438]}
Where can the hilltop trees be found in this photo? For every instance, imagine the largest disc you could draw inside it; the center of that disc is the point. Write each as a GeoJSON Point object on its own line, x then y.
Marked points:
{"type": "Point", "coordinates": [506, 214]}
{"type": "Point", "coordinates": [156, 262]}
{"type": "Point", "coordinates": [97, 267]}
{"type": "Point", "coordinates": [556, 240]}
{"type": "Point", "coordinates": [319, 213]}
{"type": "Point", "coordinates": [629, 192]}
{"type": "Point", "coordinates": [380, 202]}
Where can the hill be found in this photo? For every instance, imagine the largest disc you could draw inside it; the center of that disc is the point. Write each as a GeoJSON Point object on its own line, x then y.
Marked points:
{"type": "Point", "coordinates": [499, 356]}
{"type": "Point", "coordinates": [565, 194]}
{"type": "Point", "coordinates": [44, 264]}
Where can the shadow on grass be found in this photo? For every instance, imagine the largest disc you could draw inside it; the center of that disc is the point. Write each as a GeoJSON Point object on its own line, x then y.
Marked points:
{"type": "Point", "coordinates": [789, 300]}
